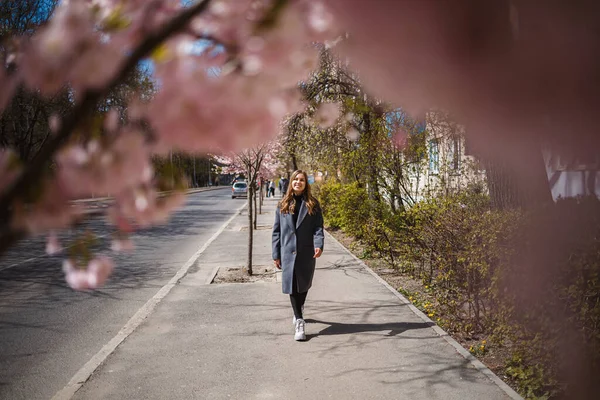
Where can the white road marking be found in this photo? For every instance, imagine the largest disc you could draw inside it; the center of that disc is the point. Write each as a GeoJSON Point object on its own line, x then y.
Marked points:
{"type": "Point", "coordinates": [86, 371]}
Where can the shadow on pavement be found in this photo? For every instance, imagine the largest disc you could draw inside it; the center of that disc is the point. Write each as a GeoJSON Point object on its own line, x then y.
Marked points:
{"type": "Point", "coordinates": [395, 328]}
{"type": "Point", "coordinates": [429, 372]}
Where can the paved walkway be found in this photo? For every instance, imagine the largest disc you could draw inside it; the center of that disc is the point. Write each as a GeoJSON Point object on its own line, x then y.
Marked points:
{"type": "Point", "coordinates": [235, 341]}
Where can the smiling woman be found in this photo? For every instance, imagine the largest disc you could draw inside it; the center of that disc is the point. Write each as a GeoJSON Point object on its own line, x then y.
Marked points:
{"type": "Point", "coordinates": [297, 241]}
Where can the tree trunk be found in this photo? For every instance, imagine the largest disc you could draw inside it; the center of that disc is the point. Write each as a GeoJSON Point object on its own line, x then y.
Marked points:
{"type": "Point", "coordinates": [254, 200]}
{"type": "Point", "coordinates": [372, 172]}
{"type": "Point", "coordinates": [250, 230]}
{"type": "Point", "coordinates": [260, 195]}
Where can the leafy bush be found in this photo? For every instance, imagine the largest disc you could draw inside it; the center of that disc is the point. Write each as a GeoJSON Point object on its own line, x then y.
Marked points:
{"type": "Point", "coordinates": [457, 244]}
{"type": "Point", "coordinates": [347, 207]}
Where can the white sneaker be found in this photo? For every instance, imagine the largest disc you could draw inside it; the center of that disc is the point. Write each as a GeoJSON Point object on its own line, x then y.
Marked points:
{"type": "Point", "coordinates": [299, 335]}
{"type": "Point", "coordinates": [294, 318]}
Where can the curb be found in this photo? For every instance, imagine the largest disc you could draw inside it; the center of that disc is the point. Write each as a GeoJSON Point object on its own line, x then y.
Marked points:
{"type": "Point", "coordinates": [212, 276]}
{"type": "Point", "coordinates": [510, 392]}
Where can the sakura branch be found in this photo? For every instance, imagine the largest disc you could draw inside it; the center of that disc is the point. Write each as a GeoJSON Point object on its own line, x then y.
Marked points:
{"type": "Point", "coordinates": [258, 51]}
{"type": "Point", "coordinates": [33, 173]}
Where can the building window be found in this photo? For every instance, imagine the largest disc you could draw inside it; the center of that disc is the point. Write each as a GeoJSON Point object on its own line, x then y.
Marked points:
{"type": "Point", "coordinates": [454, 153]}
{"type": "Point", "coordinates": [467, 145]}
{"type": "Point", "coordinates": [434, 156]}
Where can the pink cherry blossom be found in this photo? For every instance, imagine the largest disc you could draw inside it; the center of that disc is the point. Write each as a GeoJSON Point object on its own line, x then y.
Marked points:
{"type": "Point", "coordinates": [51, 211]}
{"type": "Point", "coordinates": [399, 138]}
{"type": "Point", "coordinates": [93, 276]}
{"type": "Point", "coordinates": [353, 134]}
{"type": "Point", "coordinates": [49, 59]}
{"type": "Point", "coordinates": [327, 115]}
{"type": "Point", "coordinates": [52, 244]}
{"type": "Point", "coordinates": [320, 19]}
{"type": "Point", "coordinates": [107, 167]}
{"type": "Point", "coordinates": [119, 244]}
{"type": "Point", "coordinates": [142, 207]}
{"type": "Point", "coordinates": [238, 162]}
{"type": "Point", "coordinates": [195, 111]}
{"type": "Point", "coordinates": [95, 67]}
{"type": "Point", "coordinates": [54, 123]}
{"type": "Point", "coordinates": [230, 95]}
{"type": "Point", "coordinates": [111, 122]}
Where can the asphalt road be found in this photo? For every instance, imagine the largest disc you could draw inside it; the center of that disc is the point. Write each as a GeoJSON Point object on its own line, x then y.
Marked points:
{"type": "Point", "coordinates": [48, 331]}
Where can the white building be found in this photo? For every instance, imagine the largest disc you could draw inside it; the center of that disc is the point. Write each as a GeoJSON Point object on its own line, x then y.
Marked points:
{"type": "Point", "coordinates": [448, 166]}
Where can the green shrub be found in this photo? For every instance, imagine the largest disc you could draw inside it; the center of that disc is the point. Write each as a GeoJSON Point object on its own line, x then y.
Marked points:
{"type": "Point", "coordinates": [346, 207]}
{"type": "Point", "coordinates": [457, 244]}
{"type": "Point", "coordinates": [329, 195]}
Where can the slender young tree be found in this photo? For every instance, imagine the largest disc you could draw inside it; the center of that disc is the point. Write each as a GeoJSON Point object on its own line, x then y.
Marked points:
{"type": "Point", "coordinates": [256, 162]}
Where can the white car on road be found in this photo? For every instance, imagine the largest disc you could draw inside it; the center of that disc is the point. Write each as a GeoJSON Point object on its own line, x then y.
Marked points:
{"type": "Point", "coordinates": [239, 189]}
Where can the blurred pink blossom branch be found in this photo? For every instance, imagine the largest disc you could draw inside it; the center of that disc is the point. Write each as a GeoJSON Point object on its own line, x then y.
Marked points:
{"type": "Point", "coordinates": [33, 172]}
{"type": "Point", "coordinates": [226, 73]}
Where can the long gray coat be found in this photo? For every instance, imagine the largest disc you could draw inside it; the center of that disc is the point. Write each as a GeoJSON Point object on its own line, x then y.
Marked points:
{"type": "Point", "coordinates": [295, 246]}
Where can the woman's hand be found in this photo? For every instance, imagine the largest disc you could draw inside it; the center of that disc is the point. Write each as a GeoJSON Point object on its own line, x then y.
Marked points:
{"type": "Point", "coordinates": [318, 252]}
{"type": "Point", "coordinates": [277, 263]}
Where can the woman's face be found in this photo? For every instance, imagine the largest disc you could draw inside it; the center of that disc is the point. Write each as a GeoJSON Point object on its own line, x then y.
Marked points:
{"type": "Point", "coordinates": [298, 184]}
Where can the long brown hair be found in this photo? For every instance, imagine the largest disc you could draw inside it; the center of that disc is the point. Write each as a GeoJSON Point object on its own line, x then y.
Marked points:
{"type": "Point", "coordinates": [287, 203]}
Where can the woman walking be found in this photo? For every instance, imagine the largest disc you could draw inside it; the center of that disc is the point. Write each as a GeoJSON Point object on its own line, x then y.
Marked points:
{"type": "Point", "coordinates": [297, 243]}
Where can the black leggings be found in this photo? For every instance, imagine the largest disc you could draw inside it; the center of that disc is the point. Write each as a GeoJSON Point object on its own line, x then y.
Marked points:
{"type": "Point", "coordinates": [297, 299]}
